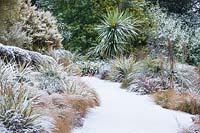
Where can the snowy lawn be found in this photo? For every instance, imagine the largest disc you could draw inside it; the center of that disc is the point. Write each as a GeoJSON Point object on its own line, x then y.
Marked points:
{"type": "Point", "coordinates": [124, 112]}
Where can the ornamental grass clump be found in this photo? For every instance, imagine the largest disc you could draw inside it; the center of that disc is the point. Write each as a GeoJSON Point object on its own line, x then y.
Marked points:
{"type": "Point", "coordinates": [13, 74]}
{"type": "Point", "coordinates": [186, 78]}
{"type": "Point", "coordinates": [90, 68]}
{"type": "Point", "coordinates": [77, 88]}
{"type": "Point", "coordinates": [8, 73]}
{"type": "Point", "coordinates": [65, 57]}
{"type": "Point", "coordinates": [68, 60]}
{"type": "Point", "coordinates": [16, 112]}
{"type": "Point", "coordinates": [52, 78]}
{"type": "Point", "coordinates": [148, 76]}
{"type": "Point", "coordinates": [171, 99]}
{"type": "Point", "coordinates": [23, 73]}
{"type": "Point", "coordinates": [121, 68]}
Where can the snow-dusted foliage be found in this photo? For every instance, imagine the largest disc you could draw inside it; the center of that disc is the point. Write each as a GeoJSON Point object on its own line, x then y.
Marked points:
{"type": "Point", "coordinates": [194, 47]}
{"type": "Point", "coordinates": [184, 39]}
{"type": "Point", "coordinates": [104, 71]}
{"type": "Point", "coordinates": [146, 84]}
{"type": "Point", "coordinates": [90, 67]}
{"type": "Point", "coordinates": [16, 111]}
{"type": "Point", "coordinates": [73, 70]}
{"type": "Point", "coordinates": [151, 75]}
{"type": "Point", "coordinates": [21, 56]}
{"type": "Point", "coordinates": [12, 74]}
{"type": "Point", "coordinates": [62, 56]}
{"type": "Point", "coordinates": [168, 28]}
{"type": "Point", "coordinates": [147, 76]}
{"type": "Point", "coordinates": [187, 79]}
{"type": "Point", "coordinates": [195, 127]}
{"type": "Point", "coordinates": [3, 129]}
{"type": "Point", "coordinates": [121, 68]}
{"type": "Point", "coordinates": [15, 36]}
{"type": "Point", "coordinates": [41, 26]}
{"type": "Point", "coordinates": [68, 60]}
{"type": "Point", "coordinates": [78, 88]}
{"type": "Point", "coordinates": [27, 27]}
{"type": "Point", "coordinates": [8, 73]}
{"type": "Point", "coordinates": [52, 78]}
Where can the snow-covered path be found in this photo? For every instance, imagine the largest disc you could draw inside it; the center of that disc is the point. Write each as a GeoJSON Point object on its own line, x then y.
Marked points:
{"type": "Point", "coordinates": [124, 112]}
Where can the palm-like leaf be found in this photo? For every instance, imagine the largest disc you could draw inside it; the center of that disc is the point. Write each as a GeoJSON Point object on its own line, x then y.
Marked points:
{"type": "Point", "coordinates": [114, 32]}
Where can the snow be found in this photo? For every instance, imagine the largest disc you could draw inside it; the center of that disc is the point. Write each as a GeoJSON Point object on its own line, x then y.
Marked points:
{"type": "Point", "coordinates": [124, 112]}
{"type": "Point", "coordinates": [25, 56]}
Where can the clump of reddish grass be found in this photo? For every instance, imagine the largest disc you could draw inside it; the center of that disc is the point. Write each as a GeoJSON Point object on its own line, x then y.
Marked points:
{"type": "Point", "coordinates": [61, 126]}
{"type": "Point", "coordinates": [81, 90]}
{"type": "Point", "coordinates": [177, 101]}
{"type": "Point", "coordinates": [67, 109]}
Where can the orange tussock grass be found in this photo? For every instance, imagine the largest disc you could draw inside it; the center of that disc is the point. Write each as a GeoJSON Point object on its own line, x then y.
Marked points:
{"type": "Point", "coordinates": [89, 94]}
{"type": "Point", "coordinates": [79, 104]}
{"type": "Point", "coordinates": [183, 102]}
{"type": "Point", "coordinates": [64, 120]}
{"type": "Point", "coordinates": [54, 107]}
{"type": "Point", "coordinates": [61, 126]}
{"type": "Point", "coordinates": [67, 110]}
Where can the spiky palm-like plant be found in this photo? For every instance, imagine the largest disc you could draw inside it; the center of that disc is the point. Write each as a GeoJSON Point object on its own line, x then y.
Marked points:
{"type": "Point", "coordinates": [116, 29]}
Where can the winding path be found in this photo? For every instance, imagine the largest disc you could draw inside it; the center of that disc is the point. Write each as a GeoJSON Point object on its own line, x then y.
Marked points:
{"type": "Point", "coordinates": [124, 112]}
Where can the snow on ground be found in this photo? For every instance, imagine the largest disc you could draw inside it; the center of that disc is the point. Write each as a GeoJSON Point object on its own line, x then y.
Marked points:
{"type": "Point", "coordinates": [124, 112]}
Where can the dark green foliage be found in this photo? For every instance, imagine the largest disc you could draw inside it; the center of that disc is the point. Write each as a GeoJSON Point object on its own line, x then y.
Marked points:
{"type": "Point", "coordinates": [81, 16]}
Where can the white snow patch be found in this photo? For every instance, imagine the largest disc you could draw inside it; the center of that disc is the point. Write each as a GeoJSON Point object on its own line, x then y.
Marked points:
{"type": "Point", "coordinates": [124, 112]}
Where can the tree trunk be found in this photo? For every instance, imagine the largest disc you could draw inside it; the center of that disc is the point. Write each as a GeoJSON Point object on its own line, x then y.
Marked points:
{"type": "Point", "coordinates": [171, 57]}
